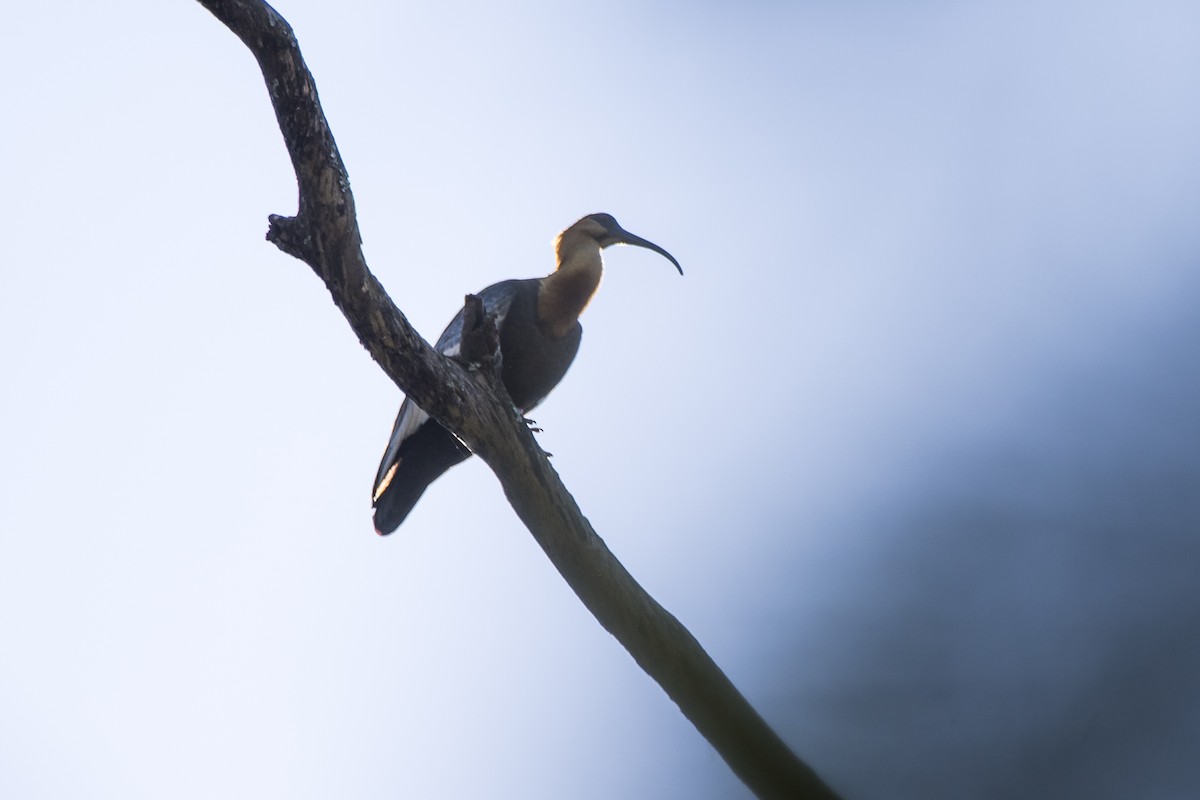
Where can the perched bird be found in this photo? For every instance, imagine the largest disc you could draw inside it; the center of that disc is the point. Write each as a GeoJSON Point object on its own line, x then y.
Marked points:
{"type": "Point", "coordinates": [538, 323]}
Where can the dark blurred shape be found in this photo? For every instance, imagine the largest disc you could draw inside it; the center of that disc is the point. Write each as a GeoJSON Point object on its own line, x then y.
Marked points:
{"type": "Point", "coordinates": [1032, 628]}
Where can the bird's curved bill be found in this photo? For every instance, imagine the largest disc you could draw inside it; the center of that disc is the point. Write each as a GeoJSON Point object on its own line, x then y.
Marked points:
{"type": "Point", "coordinates": [625, 237]}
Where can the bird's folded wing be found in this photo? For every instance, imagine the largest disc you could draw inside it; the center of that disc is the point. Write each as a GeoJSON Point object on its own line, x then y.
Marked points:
{"type": "Point", "coordinates": [497, 299]}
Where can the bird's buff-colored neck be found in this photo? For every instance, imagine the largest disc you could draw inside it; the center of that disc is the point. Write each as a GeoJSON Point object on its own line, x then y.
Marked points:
{"type": "Point", "coordinates": [565, 293]}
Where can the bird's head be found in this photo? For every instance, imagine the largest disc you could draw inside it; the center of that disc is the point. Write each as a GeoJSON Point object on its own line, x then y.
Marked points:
{"type": "Point", "coordinates": [605, 231]}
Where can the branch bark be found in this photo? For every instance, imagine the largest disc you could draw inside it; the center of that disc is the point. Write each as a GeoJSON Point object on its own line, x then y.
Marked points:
{"type": "Point", "coordinates": [474, 405]}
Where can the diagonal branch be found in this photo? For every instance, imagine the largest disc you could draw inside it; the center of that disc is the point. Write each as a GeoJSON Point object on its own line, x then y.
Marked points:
{"type": "Point", "coordinates": [474, 405]}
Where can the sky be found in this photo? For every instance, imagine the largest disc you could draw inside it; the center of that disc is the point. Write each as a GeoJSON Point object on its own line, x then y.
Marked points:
{"type": "Point", "coordinates": [911, 448]}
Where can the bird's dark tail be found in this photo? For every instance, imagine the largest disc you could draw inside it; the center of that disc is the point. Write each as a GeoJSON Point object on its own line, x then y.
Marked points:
{"type": "Point", "coordinates": [424, 456]}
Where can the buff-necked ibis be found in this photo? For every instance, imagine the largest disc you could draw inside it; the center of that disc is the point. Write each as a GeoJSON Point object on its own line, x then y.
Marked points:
{"type": "Point", "coordinates": [538, 323]}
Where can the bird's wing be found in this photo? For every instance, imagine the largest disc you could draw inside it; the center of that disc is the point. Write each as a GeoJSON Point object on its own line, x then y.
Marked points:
{"type": "Point", "coordinates": [497, 300]}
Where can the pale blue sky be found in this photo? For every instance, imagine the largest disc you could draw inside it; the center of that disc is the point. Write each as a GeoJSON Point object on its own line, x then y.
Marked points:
{"type": "Point", "coordinates": [920, 407]}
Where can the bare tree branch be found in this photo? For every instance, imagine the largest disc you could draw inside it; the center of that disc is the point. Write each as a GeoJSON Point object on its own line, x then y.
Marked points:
{"type": "Point", "coordinates": [474, 405]}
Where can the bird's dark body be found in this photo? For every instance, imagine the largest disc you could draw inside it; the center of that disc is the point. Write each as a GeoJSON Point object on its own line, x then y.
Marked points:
{"type": "Point", "coordinates": [533, 363]}
{"type": "Point", "coordinates": [538, 323]}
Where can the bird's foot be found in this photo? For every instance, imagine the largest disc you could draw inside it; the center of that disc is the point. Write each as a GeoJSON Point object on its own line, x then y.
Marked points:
{"type": "Point", "coordinates": [532, 423]}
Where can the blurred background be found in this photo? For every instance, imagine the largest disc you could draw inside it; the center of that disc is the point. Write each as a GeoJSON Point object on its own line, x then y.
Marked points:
{"type": "Point", "coordinates": [913, 449]}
